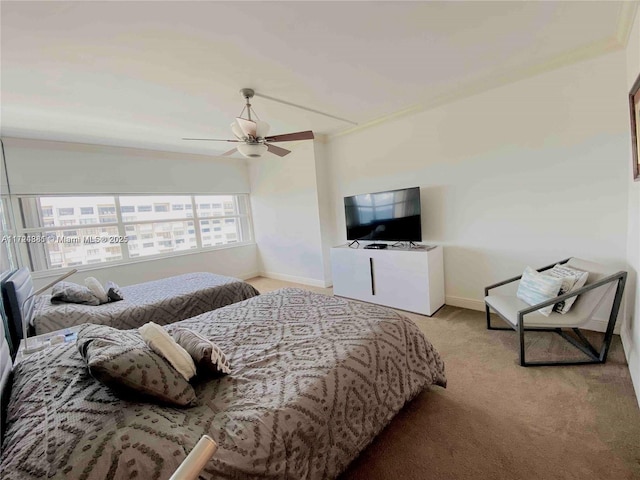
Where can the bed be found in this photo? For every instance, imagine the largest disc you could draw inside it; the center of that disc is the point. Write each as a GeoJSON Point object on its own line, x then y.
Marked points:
{"type": "Point", "coordinates": [314, 379]}
{"type": "Point", "coordinates": [162, 301]}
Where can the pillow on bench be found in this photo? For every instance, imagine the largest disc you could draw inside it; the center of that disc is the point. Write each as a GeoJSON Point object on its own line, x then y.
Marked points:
{"type": "Point", "coordinates": [573, 279]}
{"type": "Point", "coordinates": [536, 287]}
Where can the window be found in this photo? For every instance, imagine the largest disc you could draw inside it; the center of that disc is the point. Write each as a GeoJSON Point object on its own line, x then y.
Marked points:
{"type": "Point", "coordinates": [110, 210]}
{"type": "Point", "coordinates": [84, 230]}
{"type": "Point", "coordinates": [7, 249]}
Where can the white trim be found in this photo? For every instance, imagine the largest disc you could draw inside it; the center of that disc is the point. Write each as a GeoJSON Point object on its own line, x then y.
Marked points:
{"type": "Point", "coordinates": [627, 344]}
{"type": "Point", "coordinates": [468, 303]}
{"type": "Point", "coordinates": [632, 359]}
{"type": "Point", "coordinates": [247, 276]}
{"type": "Point", "coordinates": [292, 278]}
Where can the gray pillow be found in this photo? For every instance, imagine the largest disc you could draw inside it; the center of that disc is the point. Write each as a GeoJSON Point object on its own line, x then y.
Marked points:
{"type": "Point", "coordinates": [121, 360]}
{"type": "Point", "coordinates": [113, 292]}
{"type": "Point", "coordinates": [69, 292]}
{"type": "Point", "coordinates": [210, 360]}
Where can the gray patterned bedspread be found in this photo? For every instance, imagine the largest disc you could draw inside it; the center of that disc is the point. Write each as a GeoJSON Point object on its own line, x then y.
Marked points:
{"type": "Point", "coordinates": [162, 301]}
{"type": "Point", "coordinates": [314, 379]}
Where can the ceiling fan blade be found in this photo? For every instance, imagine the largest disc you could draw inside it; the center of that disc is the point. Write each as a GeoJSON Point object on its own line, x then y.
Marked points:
{"type": "Point", "coordinates": [247, 126]}
{"type": "Point", "coordinates": [230, 152]}
{"type": "Point", "coordinates": [289, 137]}
{"type": "Point", "coordinates": [213, 140]}
{"type": "Point", "coordinates": [281, 152]}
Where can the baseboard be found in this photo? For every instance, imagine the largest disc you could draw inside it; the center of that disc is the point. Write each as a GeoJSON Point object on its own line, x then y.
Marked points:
{"type": "Point", "coordinates": [292, 278]}
{"type": "Point", "coordinates": [247, 276]}
{"type": "Point", "coordinates": [595, 324]}
{"type": "Point", "coordinates": [633, 360]}
{"type": "Point", "coordinates": [462, 302]}
{"type": "Point", "coordinates": [627, 343]}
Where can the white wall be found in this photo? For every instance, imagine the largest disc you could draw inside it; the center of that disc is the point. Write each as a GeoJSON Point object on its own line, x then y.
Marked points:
{"type": "Point", "coordinates": [39, 167]}
{"type": "Point", "coordinates": [237, 262]}
{"type": "Point", "coordinates": [631, 329]}
{"type": "Point", "coordinates": [284, 204]}
{"type": "Point", "coordinates": [524, 174]}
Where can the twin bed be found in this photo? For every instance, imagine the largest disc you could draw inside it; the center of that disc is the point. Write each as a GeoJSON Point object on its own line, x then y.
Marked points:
{"type": "Point", "coordinates": [313, 380]}
{"type": "Point", "coordinates": [162, 301]}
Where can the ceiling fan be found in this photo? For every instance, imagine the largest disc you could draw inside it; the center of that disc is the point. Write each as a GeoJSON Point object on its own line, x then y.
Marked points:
{"type": "Point", "coordinates": [252, 136]}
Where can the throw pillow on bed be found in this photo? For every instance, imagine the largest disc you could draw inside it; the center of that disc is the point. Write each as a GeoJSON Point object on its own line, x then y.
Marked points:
{"type": "Point", "coordinates": [121, 360]}
{"type": "Point", "coordinates": [163, 344]}
{"type": "Point", "coordinates": [68, 292]}
{"type": "Point", "coordinates": [208, 357]}
{"type": "Point", "coordinates": [96, 287]}
{"type": "Point", "coordinates": [536, 287]}
{"type": "Point", "coordinates": [113, 292]}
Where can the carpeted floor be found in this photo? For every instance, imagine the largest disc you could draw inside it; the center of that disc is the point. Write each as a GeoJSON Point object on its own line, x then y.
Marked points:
{"type": "Point", "coordinates": [497, 420]}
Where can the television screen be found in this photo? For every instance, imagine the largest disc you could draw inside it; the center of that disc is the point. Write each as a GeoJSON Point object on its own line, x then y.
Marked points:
{"type": "Point", "coordinates": [392, 216]}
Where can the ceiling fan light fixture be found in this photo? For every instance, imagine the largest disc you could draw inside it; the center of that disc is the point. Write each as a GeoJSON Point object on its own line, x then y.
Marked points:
{"type": "Point", "coordinates": [237, 131]}
{"type": "Point", "coordinates": [252, 150]}
{"type": "Point", "coordinates": [262, 129]}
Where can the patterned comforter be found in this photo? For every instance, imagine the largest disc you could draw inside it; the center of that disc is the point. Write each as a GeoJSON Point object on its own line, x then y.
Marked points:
{"type": "Point", "coordinates": [162, 301]}
{"type": "Point", "coordinates": [314, 379]}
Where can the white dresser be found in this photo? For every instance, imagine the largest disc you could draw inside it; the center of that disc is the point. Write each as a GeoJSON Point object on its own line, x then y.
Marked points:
{"type": "Point", "coordinates": [404, 278]}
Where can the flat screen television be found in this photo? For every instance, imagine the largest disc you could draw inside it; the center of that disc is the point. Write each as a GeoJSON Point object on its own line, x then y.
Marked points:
{"type": "Point", "coordinates": [392, 216]}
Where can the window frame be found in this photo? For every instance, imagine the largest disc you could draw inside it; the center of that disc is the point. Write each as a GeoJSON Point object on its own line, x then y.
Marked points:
{"type": "Point", "coordinates": [13, 202]}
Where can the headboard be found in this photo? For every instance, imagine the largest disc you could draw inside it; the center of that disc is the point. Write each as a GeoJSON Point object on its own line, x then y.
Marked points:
{"type": "Point", "coordinates": [16, 288]}
{"type": "Point", "coordinates": [6, 364]}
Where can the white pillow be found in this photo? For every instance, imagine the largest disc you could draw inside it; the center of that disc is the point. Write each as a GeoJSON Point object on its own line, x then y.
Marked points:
{"type": "Point", "coordinates": [537, 287]}
{"type": "Point", "coordinates": [96, 288]}
{"type": "Point", "coordinates": [163, 344]}
{"type": "Point", "coordinates": [580, 278]}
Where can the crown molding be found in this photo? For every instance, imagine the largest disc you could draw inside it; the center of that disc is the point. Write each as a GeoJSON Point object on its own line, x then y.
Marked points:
{"type": "Point", "coordinates": [618, 41]}
{"type": "Point", "coordinates": [626, 17]}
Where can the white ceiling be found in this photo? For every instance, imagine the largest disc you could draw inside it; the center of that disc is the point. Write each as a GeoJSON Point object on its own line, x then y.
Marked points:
{"type": "Point", "coordinates": [146, 74]}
